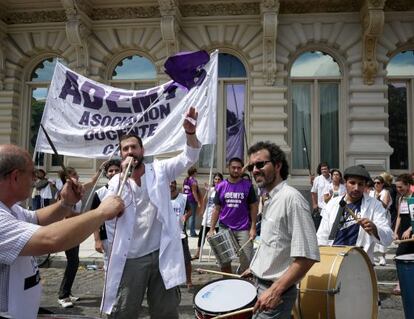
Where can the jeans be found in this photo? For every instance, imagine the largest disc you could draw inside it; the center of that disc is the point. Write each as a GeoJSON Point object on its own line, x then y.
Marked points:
{"type": "Point", "coordinates": [193, 207]}
{"type": "Point", "coordinates": [284, 309]}
{"type": "Point", "coordinates": [72, 257]}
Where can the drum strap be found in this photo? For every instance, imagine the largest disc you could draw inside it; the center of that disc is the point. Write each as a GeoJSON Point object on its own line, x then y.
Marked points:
{"type": "Point", "coordinates": [337, 223]}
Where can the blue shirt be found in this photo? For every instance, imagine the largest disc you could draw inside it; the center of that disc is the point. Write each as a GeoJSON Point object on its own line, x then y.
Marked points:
{"type": "Point", "coordinates": [348, 232]}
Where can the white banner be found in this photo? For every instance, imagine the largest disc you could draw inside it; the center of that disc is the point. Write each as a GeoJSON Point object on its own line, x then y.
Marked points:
{"type": "Point", "coordinates": [85, 118]}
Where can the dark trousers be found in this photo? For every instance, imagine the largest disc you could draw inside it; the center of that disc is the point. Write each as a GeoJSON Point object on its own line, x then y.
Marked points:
{"type": "Point", "coordinates": [37, 202]}
{"type": "Point", "coordinates": [72, 257]}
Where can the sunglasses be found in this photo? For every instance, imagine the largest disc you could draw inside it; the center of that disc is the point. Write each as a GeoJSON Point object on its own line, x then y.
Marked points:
{"type": "Point", "coordinates": [258, 165]}
{"type": "Point", "coordinates": [377, 183]}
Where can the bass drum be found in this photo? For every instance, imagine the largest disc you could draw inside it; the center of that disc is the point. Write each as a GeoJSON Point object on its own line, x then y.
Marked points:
{"type": "Point", "coordinates": [342, 285]}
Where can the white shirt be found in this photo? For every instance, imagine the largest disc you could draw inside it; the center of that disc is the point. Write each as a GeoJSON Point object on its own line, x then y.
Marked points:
{"type": "Point", "coordinates": [178, 205]}
{"type": "Point", "coordinates": [287, 232]}
{"type": "Point", "coordinates": [318, 187]}
{"type": "Point", "coordinates": [382, 195]}
{"type": "Point", "coordinates": [17, 225]}
{"type": "Point", "coordinates": [209, 208]}
{"type": "Point", "coordinates": [371, 209]}
{"type": "Point", "coordinates": [339, 192]}
{"type": "Point", "coordinates": [147, 228]}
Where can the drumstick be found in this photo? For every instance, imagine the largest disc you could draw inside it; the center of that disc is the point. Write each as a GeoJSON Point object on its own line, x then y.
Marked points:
{"type": "Point", "coordinates": [400, 241]}
{"type": "Point", "coordinates": [342, 203]}
{"type": "Point", "coordinates": [234, 313]}
{"type": "Point", "coordinates": [218, 272]}
{"type": "Point", "coordinates": [244, 245]}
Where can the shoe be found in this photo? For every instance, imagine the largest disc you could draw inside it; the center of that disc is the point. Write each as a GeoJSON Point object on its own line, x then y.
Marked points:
{"type": "Point", "coordinates": [74, 298]}
{"type": "Point", "coordinates": [195, 257]}
{"type": "Point", "coordinates": [193, 235]}
{"type": "Point", "coordinates": [382, 261]}
{"type": "Point", "coordinates": [65, 302]}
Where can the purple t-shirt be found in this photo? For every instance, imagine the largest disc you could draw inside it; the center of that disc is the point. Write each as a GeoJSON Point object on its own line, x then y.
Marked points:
{"type": "Point", "coordinates": [234, 199]}
{"type": "Point", "coordinates": [187, 185]}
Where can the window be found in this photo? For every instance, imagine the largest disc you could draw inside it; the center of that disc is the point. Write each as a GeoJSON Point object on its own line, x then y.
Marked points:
{"type": "Point", "coordinates": [134, 73]}
{"type": "Point", "coordinates": [230, 114]}
{"type": "Point", "coordinates": [400, 72]}
{"type": "Point", "coordinates": [315, 91]}
{"type": "Point", "coordinates": [38, 83]}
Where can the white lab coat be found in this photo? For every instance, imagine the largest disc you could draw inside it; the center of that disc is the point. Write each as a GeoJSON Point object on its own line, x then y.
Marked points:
{"type": "Point", "coordinates": [372, 209]}
{"type": "Point", "coordinates": [158, 176]}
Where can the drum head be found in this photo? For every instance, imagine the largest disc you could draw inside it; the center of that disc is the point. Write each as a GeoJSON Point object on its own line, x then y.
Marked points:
{"type": "Point", "coordinates": [225, 295]}
{"type": "Point", "coordinates": [356, 295]}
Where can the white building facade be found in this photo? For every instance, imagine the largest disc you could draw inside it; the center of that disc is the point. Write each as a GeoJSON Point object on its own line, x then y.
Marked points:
{"type": "Point", "coordinates": [336, 77]}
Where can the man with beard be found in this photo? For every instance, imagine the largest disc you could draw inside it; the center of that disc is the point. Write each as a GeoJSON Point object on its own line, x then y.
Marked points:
{"type": "Point", "coordinates": [236, 209]}
{"type": "Point", "coordinates": [339, 227]}
{"type": "Point", "coordinates": [288, 247]}
{"type": "Point", "coordinates": [147, 255]}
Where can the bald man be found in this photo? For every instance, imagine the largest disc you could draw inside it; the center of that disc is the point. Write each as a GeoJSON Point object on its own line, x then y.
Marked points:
{"type": "Point", "coordinates": [24, 233]}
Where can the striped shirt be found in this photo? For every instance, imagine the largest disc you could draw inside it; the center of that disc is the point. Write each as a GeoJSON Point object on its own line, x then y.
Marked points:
{"type": "Point", "coordinates": [17, 225]}
{"type": "Point", "coordinates": [287, 232]}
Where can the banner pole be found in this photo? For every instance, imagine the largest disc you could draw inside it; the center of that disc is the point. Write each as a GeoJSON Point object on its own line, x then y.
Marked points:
{"type": "Point", "coordinates": [204, 221]}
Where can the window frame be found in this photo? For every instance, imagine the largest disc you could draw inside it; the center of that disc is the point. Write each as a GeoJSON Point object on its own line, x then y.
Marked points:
{"type": "Point", "coordinates": [314, 157]}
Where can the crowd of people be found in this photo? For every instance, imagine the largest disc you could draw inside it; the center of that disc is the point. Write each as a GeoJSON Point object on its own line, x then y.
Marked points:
{"type": "Point", "coordinates": [140, 221]}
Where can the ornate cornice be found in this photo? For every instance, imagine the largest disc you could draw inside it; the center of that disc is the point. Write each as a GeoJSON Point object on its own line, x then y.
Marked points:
{"type": "Point", "coordinates": [170, 24]}
{"type": "Point", "coordinates": [77, 32]}
{"type": "Point", "coordinates": [35, 17]}
{"type": "Point", "coordinates": [372, 16]}
{"type": "Point", "coordinates": [125, 13]}
{"type": "Point", "coordinates": [220, 9]}
{"type": "Point", "coordinates": [313, 6]}
{"type": "Point", "coordinates": [399, 5]}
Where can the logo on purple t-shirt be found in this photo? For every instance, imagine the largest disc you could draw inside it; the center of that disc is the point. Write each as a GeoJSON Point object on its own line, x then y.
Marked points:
{"type": "Point", "coordinates": [234, 201]}
{"type": "Point", "coordinates": [187, 188]}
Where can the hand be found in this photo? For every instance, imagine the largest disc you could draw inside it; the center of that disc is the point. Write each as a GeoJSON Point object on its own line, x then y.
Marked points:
{"type": "Point", "coordinates": [247, 273]}
{"type": "Point", "coordinates": [71, 192]}
{"type": "Point", "coordinates": [99, 246]}
{"type": "Point", "coordinates": [395, 236]}
{"type": "Point", "coordinates": [210, 233]}
{"type": "Point", "coordinates": [111, 207]}
{"type": "Point", "coordinates": [126, 161]}
{"type": "Point", "coordinates": [368, 225]}
{"type": "Point", "coordinates": [406, 234]}
{"type": "Point", "coordinates": [190, 121]}
{"type": "Point", "coordinates": [252, 233]}
{"type": "Point", "coordinates": [268, 300]}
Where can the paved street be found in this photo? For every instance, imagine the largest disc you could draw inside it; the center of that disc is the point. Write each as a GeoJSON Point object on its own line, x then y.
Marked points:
{"type": "Point", "coordinates": [89, 284]}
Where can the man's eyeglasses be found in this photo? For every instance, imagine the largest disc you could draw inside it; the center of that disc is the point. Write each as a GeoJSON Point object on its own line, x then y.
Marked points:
{"type": "Point", "coordinates": [258, 165]}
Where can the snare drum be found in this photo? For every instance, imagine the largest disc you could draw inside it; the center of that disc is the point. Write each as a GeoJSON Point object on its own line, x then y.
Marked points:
{"type": "Point", "coordinates": [225, 246]}
{"type": "Point", "coordinates": [342, 285]}
{"type": "Point", "coordinates": [224, 296]}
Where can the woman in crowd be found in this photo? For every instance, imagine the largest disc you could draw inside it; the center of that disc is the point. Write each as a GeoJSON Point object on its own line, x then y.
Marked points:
{"type": "Point", "coordinates": [403, 228]}
{"type": "Point", "coordinates": [190, 189]}
{"type": "Point", "coordinates": [208, 210]}
{"type": "Point", "coordinates": [65, 297]}
{"type": "Point", "coordinates": [336, 187]}
{"type": "Point", "coordinates": [381, 193]}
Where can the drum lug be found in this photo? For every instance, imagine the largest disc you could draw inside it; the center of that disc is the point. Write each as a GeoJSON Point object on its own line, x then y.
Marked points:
{"type": "Point", "coordinates": [335, 291]}
{"type": "Point", "coordinates": [343, 254]}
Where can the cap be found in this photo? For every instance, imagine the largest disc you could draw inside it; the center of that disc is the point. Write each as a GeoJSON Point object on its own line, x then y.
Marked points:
{"type": "Point", "coordinates": [358, 171]}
